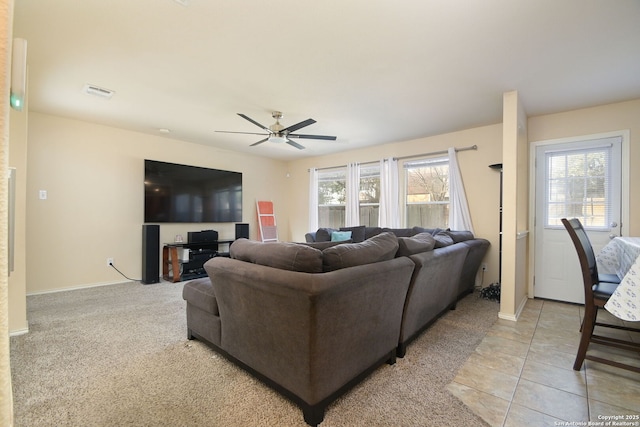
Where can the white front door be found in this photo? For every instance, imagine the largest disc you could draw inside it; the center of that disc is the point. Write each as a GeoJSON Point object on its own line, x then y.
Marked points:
{"type": "Point", "coordinates": [574, 179]}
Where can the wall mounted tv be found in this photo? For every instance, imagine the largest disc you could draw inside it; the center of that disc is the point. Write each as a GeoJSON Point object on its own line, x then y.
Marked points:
{"type": "Point", "coordinates": [181, 193]}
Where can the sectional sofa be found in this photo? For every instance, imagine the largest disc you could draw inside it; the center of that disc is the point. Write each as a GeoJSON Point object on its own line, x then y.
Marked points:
{"type": "Point", "coordinates": [313, 319]}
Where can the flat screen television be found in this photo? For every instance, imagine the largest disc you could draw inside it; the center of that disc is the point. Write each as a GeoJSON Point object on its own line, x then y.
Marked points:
{"type": "Point", "coordinates": [181, 193]}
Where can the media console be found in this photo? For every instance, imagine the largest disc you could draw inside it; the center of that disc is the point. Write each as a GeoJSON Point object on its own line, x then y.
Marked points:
{"type": "Point", "coordinates": [177, 269]}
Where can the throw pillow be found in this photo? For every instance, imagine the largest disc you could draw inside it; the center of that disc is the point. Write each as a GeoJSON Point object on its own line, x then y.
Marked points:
{"type": "Point", "coordinates": [340, 236]}
{"type": "Point", "coordinates": [422, 242]}
{"type": "Point", "coordinates": [443, 239]}
{"type": "Point", "coordinates": [431, 231]}
{"type": "Point", "coordinates": [382, 247]}
{"type": "Point", "coordinates": [460, 236]}
{"type": "Point", "coordinates": [357, 233]}
{"type": "Point", "coordinates": [282, 255]}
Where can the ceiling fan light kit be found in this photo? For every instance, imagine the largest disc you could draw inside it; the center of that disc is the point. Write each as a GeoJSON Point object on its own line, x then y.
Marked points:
{"type": "Point", "coordinates": [278, 133]}
{"type": "Point", "coordinates": [277, 138]}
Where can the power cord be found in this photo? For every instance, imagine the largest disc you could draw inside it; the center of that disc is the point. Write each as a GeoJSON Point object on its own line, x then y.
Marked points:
{"type": "Point", "coordinates": [481, 285]}
{"type": "Point", "coordinates": [123, 275]}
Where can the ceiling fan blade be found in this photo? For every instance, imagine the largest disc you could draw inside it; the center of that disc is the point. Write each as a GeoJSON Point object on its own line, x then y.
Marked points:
{"type": "Point", "coordinates": [244, 133]}
{"type": "Point", "coordinates": [294, 144]}
{"type": "Point", "coordinates": [325, 137]}
{"type": "Point", "coordinates": [254, 122]}
{"type": "Point", "coordinates": [259, 142]}
{"type": "Point", "coordinates": [297, 126]}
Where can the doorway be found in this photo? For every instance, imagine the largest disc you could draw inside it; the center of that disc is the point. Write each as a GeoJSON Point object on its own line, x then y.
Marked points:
{"type": "Point", "coordinates": [575, 177]}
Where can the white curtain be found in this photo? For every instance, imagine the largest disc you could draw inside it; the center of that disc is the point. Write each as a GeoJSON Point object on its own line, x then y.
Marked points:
{"type": "Point", "coordinates": [389, 212]}
{"type": "Point", "coordinates": [313, 199]}
{"type": "Point", "coordinates": [459, 216]}
{"type": "Point", "coordinates": [352, 215]}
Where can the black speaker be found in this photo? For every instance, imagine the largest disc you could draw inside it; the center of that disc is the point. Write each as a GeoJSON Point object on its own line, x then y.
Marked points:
{"type": "Point", "coordinates": [150, 254]}
{"type": "Point", "coordinates": [242, 231]}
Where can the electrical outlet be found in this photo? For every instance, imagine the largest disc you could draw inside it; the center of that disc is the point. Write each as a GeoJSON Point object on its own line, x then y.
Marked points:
{"type": "Point", "coordinates": [484, 267]}
{"type": "Point", "coordinates": [109, 261]}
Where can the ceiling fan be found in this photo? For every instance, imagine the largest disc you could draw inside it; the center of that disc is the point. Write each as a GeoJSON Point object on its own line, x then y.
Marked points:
{"type": "Point", "coordinates": [278, 133]}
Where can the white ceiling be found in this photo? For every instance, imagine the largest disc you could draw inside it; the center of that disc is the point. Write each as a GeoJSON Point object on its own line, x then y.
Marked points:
{"type": "Point", "coordinates": [368, 71]}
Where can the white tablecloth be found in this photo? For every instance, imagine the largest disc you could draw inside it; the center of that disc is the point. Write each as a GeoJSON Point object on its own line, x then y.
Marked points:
{"type": "Point", "coordinates": [618, 255]}
{"type": "Point", "coordinates": [621, 256]}
{"type": "Point", "coordinates": [625, 301]}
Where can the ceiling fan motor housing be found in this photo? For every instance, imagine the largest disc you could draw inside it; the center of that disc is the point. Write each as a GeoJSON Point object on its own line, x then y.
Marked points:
{"type": "Point", "coordinates": [276, 127]}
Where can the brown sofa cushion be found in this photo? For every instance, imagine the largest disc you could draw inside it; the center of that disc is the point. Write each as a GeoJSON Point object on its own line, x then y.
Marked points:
{"type": "Point", "coordinates": [282, 255]}
{"type": "Point", "coordinates": [324, 245]}
{"type": "Point", "coordinates": [378, 248]}
{"type": "Point", "coordinates": [421, 242]}
{"type": "Point", "coordinates": [443, 239]}
{"type": "Point", "coordinates": [199, 292]}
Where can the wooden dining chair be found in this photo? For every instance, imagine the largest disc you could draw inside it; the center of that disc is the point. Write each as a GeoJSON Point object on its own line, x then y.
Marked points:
{"type": "Point", "coordinates": [596, 294]}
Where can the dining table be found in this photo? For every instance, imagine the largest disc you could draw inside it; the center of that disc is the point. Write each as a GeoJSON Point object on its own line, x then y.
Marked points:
{"type": "Point", "coordinates": [621, 256]}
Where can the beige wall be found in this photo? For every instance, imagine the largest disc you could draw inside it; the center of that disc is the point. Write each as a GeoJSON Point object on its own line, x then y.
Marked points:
{"type": "Point", "coordinates": [482, 184]}
{"type": "Point", "coordinates": [595, 120]}
{"type": "Point", "coordinates": [94, 179]}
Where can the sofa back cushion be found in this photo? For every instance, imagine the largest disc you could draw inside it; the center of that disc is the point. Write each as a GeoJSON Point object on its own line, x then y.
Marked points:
{"type": "Point", "coordinates": [324, 234]}
{"type": "Point", "coordinates": [357, 233]}
{"type": "Point", "coordinates": [400, 232]}
{"type": "Point", "coordinates": [421, 242]}
{"type": "Point", "coordinates": [324, 245]}
{"type": "Point", "coordinates": [282, 255]}
{"type": "Point", "coordinates": [382, 247]}
{"type": "Point", "coordinates": [369, 232]}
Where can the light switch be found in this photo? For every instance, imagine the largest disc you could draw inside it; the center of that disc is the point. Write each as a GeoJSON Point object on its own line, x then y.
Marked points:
{"type": "Point", "coordinates": [43, 194]}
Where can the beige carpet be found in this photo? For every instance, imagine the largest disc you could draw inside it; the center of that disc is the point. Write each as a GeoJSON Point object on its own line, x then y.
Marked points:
{"type": "Point", "coordinates": [118, 356]}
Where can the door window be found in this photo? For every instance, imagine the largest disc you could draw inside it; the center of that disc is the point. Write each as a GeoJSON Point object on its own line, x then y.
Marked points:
{"type": "Point", "coordinates": [579, 185]}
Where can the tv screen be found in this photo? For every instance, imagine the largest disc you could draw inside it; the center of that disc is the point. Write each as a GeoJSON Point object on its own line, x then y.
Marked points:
{"type": "Point", "coordinates": [181, 193]}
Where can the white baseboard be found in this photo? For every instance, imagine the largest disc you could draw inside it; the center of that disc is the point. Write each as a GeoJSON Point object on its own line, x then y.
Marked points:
{"type": "Point", "coordinates": [514, 317]}
{"type": "Point", "coordinates": [18, 332]}
{"type": "Point", "coordinates": [73, 288]}
{"type": "Point", "coordinates": [507, 317]}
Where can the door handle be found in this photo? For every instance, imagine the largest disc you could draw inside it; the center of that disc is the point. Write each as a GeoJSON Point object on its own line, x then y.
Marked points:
{"type": "Point", "coordinates": [612, 236]}
{"type": "Point", "coordinates": [613, 224]}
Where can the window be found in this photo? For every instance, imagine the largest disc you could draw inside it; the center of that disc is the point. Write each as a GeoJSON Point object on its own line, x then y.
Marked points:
{"type": "Point", "coordinates": [369, 197]}
{"type": "Point", "coordinates": [427, 193]}
{"type": "Point", "coordinates": [332, 196]}
{"type": "Point", "coordinates": [578, 186]}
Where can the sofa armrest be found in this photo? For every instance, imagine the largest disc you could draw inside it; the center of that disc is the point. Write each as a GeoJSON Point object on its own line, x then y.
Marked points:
{"type": "Point", "coordinates": [477, 250]}
{"type": "Point", "coordinates": [310, 333]}
{"type": "Point", "coordinates": [434, 288]}
{"type": "Point", "coordinates": [310, 237]}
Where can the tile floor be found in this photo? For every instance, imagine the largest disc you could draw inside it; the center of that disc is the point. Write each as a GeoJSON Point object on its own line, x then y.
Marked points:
{"type": "Point", "coordinates": [521, 373]}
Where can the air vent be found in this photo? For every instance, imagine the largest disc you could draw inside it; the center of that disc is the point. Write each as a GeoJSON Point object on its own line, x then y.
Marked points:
{"type": "Point", "coordinates": [98, 91]}
{"type": "Point", "coordinates": [182, 2]}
